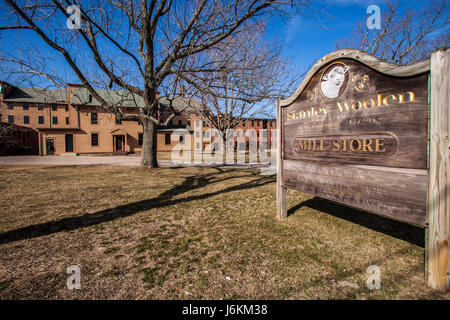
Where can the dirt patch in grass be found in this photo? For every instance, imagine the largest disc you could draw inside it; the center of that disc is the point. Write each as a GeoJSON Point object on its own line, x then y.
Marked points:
{"type": "Point", "coordinates": [192, 233]}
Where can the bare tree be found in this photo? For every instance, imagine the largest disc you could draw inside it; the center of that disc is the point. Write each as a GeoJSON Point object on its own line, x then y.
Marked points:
{"type": "Point", "coordinates": [138, 46]}
{"type": "Point", "coordinates": [245, 76]}
{"type": "Point", "coordinates": [404, 39]}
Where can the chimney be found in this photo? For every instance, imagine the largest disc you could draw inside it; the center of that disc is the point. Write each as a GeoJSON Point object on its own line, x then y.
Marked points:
{"type": "Point", "coordinates": [71, 87]}
{"type": "Point", "coordinates": [5, 88]}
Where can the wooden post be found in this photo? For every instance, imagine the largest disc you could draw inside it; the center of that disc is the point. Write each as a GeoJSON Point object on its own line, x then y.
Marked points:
{"type": "Point", "coordinates": [438, 200]}
{"type": "Point", "coordinates": [281, 191]}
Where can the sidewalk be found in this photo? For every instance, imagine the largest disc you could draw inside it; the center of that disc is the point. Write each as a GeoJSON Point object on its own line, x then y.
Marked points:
{"type": "Point", "coordinates": [104, 160]}
{"type": "Point", "coordinates": [69, 160]}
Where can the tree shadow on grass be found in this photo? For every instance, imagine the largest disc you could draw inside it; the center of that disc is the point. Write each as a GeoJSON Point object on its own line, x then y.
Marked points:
{"type": "Point", "coordinates": [164, 199]}
{"type": "Point", "coordinates": [412, 234]}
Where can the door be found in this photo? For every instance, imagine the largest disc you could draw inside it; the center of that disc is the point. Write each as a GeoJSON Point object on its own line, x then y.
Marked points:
{"type": "Point", "coordinates": [69, 142]}
{"type": "Point", "coordinates": [119, 141]}
{"type": "Point", "coordinates": [50, 147]}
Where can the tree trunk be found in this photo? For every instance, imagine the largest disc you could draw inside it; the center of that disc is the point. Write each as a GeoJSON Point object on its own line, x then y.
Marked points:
{"type": "Point", "coordinates": [148, 154]}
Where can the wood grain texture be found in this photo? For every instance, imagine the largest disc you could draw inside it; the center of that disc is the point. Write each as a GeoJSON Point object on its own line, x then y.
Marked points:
{"type": "Point", "coordinates": [438, 201]}
{"type": "Point", "coordinates": [364, 58]}
{"type": "Point", "coordinates": [392, 192]}
{"type": "Point", "coordinates": [281, 190]}
{"type": "Point", "coordinates": [375, 111]}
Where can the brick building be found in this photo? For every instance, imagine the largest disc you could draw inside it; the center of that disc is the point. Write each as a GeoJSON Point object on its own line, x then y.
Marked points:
{"type": "Point", "coordinates": [71, 122]}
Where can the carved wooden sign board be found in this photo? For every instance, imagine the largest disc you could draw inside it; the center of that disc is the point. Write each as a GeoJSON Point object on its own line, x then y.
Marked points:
{"type": "Point", "coordinates": [356, 132]}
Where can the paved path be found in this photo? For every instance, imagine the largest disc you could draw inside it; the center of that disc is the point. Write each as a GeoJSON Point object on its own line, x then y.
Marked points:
{"type": "Point", "coordinates": [93, 160]}
{"type": "Point", "coordinates": [69, 160]}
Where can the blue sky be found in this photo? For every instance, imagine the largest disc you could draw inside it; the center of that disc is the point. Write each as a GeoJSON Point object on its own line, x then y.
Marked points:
{"type": "Point", "coordinates": [308, 38]}
{"type": "Point", "coordinates": [305, 38]}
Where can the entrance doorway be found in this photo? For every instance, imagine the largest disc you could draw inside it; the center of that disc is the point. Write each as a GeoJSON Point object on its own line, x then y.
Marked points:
{"type": "Point", "coordinates": [119, 142]}
{"type": "Point", "coordinates": [69, 142]}
{"type": "Point", "coordinates": [50, 147]}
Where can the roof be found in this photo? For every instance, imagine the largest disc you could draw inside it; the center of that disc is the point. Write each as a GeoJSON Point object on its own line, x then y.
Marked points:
{"type": "Point", "coordinates": [182, 103]}
{"type": "Point", "coordinates": [57, 129]}
{"type": "Point", "coordinates": [117, 98]}
{"type": "Point", "coordinates": [118, 131]}
{"type": "Point", "coordinates": [6, 125]}
{"type": "Point", "coordinates": [36, 95]}
{"type": "Point", "coordinates": [173, 128]}
{"type": "Point", "coordinates": [82, 97]}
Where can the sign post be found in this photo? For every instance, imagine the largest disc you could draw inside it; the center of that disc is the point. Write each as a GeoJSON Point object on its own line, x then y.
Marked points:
{"type": "Point", "coordinates": [373, 135]}
{"type": "Point", "coordinates": [438, 199]}
{"type": "Point", "coordinates": [281, 190]}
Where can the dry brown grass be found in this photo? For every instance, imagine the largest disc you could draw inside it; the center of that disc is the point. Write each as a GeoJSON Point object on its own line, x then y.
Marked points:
{"type": "Point", "coordinates": [209, 157]}
{"type": "Point", "coordinates": [191, 233]}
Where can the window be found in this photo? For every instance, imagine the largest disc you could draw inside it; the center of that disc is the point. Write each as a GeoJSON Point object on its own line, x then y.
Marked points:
{"type": "Point", "coordinates": [54, 108]}
{"type": "Point", "coordinates": [67, 120]}
{"type": "Point", "coordinates": [197, 134]}
{"type": "Point", "coordinates": [198, 145]}
{"type": "Point", "coordinates": [257, 123]}
{"type": "Point", "coordinates": [181, 139]}
{"type": "Point", "coordinates": [67, 108]}
{"type": "Point", "coordinates": [55, 120]}
{"type": "Point", "coordinates": [238, 133]}
{"type": "Point", "coordinates": [167, 138]}
{"type": "Point", "coordinates": [10, 119]}
{"type": "Point", "coordinates": [243, 123]}
{"type": "Point", "coordinates": [197, 123]}
{"type": "Point", "coordinates": [94, 139]}
{"type": "Point", "coordinates": [26, 107]}
{"type": "Point", "coordinates": [10, 106]}
{"type": "Point", "coordinates": [140, 138]}
{"type": "Point", "coordinates": [26, 119]}
{"type": "Point", "coordinates": [180, 122]}
{"type": "Point", "coordinates": [253, 123]}
{"type": "Point", "coordinates": [118, 121]}
{"type": "Point", "coordinates": [41, 120]}
{"type": "Point", "coordinates": [94, 118]}
{"type": "Point", "coordinates": [40, 107]}
{"type": "Point", "coordinates": [189, 123]}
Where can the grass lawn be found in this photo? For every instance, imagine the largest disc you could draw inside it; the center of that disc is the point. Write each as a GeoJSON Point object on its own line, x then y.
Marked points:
{"type": "Point", "coordinates": [211, 157]}
{"type": "Point", "coordinates": [192, 233]}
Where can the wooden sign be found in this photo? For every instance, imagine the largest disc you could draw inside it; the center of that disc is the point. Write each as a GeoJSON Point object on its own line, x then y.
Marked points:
{"type": "Point", "coordinates": [357, 132]}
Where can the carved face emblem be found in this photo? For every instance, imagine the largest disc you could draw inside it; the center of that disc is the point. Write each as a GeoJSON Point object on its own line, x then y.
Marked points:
{"type": "Point", "coordinates": [334, 80]}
